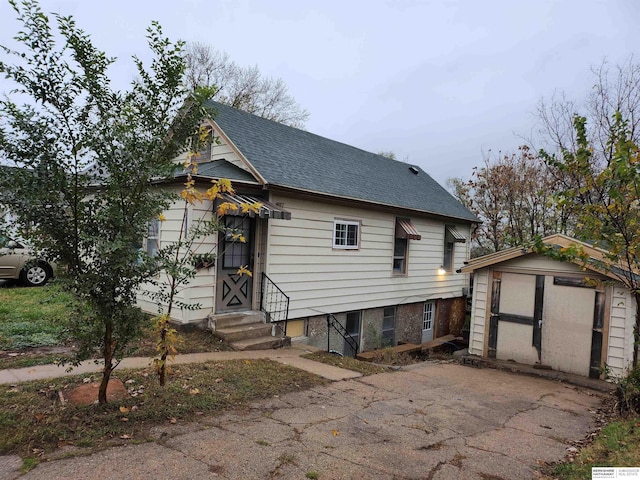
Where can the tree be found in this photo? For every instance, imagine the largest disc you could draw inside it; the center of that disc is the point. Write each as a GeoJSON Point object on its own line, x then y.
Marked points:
{"type": "Point", "coordinates": [387, 154]}
{"type": "Point", "coordinates": [615, 89]}
{"type": "Point", "coordinates": [512, 195]}
{"type": "Point", "coordinates": [87, 158]}
{"type": "Point", "coordinates": [243, 88]}
{"type": "Point", "coordinates": [179, 261]}
{"type": "Point", "coordinates": [606, 204]}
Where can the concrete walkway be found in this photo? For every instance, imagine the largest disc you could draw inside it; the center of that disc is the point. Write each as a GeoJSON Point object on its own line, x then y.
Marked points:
{"type": "Point", "coordinates": [288, 356]}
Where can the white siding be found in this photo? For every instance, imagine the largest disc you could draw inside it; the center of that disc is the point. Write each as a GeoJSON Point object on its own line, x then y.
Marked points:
{"type": "Point", "coordinates": [622, 319]}
{"type": "Point", "coordinates": [221, 151]}
{"type": "Point", "coordinates": [224, 151]}
{"type": "Point", "coordinates": [201, 289]}
{"type": "Point", "coordinates": [479, 311]}
{"type": "Point", "coordinates": [319, 279]}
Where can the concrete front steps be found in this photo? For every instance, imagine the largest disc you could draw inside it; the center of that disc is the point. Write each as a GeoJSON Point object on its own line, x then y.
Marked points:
{"type": "Point", "coordinates": [246, 331]}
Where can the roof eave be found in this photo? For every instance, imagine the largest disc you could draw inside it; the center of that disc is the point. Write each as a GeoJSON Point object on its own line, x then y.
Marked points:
{"type": "Point", "coordinates": [343, 198]}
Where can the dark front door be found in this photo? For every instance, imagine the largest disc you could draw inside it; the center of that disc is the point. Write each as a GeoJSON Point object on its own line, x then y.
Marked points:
{"type": "Point", "coordinates": [233, 290]}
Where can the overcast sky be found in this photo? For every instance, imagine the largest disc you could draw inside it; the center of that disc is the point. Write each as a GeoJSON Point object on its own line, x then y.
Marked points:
{"type": "Point", "coordinates": [437, 82]}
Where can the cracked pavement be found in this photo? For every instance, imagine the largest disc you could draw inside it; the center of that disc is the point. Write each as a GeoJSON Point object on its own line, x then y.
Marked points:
{"type": "Point", "coordinates": [432, 421]}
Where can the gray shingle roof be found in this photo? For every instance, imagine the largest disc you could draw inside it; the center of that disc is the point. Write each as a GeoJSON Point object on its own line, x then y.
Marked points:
{"type": "Point", "coordinates": [289, 157]}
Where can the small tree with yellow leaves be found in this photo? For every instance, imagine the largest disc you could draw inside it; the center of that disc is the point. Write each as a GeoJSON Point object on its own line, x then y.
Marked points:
{"type": "Point", "coordinates": [180, 260]}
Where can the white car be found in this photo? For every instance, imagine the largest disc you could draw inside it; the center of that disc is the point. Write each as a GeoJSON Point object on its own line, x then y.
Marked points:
{"type": "Point", "coordinates": [18, 263]}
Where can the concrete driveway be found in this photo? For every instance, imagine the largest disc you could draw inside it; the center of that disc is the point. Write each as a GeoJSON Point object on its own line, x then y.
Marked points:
{"type": "Point", "coordinates": [433, 421]}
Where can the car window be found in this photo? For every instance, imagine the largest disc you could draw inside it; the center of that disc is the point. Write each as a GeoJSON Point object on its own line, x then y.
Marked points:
{"type": "Point", "coordinates": [4, 242]}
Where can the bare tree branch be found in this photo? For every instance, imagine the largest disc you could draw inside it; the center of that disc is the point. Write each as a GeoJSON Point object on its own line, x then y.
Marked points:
{"type": "Point", "coordinates": [243, 88]}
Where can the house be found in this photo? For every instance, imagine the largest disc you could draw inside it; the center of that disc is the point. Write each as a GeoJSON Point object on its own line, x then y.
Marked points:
{"type": "Point", "coordinates": [343, 235]}
{"type": "Point", "coordinates": [534, 310]}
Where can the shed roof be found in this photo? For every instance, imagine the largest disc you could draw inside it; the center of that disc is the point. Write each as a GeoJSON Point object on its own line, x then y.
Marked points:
{"type": "Point", "coordinates": [596, 256]}
{"type": "Point", "coordinates": [291, 158]}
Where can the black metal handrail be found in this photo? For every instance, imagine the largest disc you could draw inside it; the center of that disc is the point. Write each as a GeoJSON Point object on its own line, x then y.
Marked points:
{"type": "Point", "coordinates": [338, 327]}
{"type": "Point", "coordinates": [274, 303]}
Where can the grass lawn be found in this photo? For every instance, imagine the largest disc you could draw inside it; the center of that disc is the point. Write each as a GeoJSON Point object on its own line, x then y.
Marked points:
{"type": "Point", "coordinates": [365, 368]}
{"type": "Point", "coordinates": [33, 329]}
{"type": "Point", "coordinates": [617, 445]}
{"type": "Point", "coordinates": [35, 423]}
{"type": "Point", "coordinates": [33, 325]}
{"type": "Point", "coordinates": [33, 317]}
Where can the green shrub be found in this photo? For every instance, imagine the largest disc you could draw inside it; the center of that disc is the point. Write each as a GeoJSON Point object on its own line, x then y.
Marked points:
{"type": "Point", "coordinates": [629, 392]}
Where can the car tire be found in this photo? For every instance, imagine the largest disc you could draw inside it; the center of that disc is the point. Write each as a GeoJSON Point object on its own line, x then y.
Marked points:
{"type": "Point", "coordinates": [35, 275]}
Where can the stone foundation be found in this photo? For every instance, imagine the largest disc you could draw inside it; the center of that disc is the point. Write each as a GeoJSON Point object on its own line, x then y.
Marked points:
{"type": "Point", "coordinates": [450, 314]}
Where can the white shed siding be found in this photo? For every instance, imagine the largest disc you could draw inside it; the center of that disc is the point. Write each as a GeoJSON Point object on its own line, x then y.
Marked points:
{"type": "Point", "coordinates": [622, 319]}
{"type": "Point", "coordinates": [538, 263]}
{"type": "Point", "coordinates": [621, 313]}
{"type": "Point", "coordinates": [301, 260]}
{"type": "Point", "coordinates": [480, 302]}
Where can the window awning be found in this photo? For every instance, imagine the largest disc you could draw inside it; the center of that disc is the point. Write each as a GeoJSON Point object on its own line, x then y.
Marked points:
{"type": "Point", "coordinates": [405, 229]}
{"type": "Point", "coordinates": [454, 235]}
{"type": "Point", "coordinates": [267, 210]}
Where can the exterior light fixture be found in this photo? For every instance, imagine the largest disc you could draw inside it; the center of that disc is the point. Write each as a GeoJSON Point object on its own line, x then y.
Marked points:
{"type": "Point", "coordinates": [441, 270]}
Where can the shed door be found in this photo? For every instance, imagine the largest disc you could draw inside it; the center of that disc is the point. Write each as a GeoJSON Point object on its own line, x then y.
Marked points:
{"type": "Point", "coordinates": [515, 330]}
{"type": "Point", "coordinates": [568, 327]}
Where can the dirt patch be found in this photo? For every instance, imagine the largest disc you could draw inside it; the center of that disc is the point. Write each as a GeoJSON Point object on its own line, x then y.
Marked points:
{"type": "Point", "coordinates": [87, 394]}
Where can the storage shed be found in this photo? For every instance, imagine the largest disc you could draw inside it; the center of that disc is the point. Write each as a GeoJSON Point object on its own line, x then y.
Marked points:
{"type": "Point", "coordinates": [535, 310]}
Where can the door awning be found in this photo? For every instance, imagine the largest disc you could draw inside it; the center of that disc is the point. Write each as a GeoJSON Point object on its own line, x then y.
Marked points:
{"type": "Point", "coordinates": [454, 235]}
{"type": "Point", "coordinates": [267, 209]}
{"type": "Point", "coordinates": [405, 229]}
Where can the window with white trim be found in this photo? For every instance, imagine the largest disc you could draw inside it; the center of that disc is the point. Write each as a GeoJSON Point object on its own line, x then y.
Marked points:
{"type": "Point", "coordinates": [447, 261]}
{"type": "Point", "coordinates": [451, 237]}
{"type": "Point", "coordinates": [400, 255]}
{"type": "Point", "coordinates": [152, 241]}
{"type": "Point", "coordinates": [346, 234]}
{"type": "Point", "coordinates": [427, 316]}
{"type": "Point", "coordinates": [389, 326]}
{"type": "Point", "coordinates": [404, 232]}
